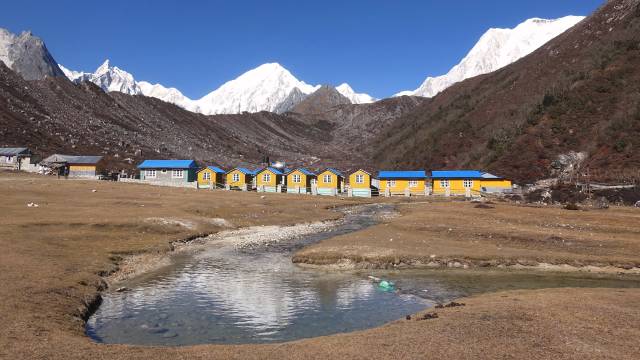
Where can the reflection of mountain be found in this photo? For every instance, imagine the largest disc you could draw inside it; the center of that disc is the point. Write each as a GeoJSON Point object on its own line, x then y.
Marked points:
{"type": "Point", "coordinates": [264, 299]}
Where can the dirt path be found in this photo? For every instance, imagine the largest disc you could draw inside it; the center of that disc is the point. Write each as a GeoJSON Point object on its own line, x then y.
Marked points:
{"type": "Point", "coordinates": [55, 255]}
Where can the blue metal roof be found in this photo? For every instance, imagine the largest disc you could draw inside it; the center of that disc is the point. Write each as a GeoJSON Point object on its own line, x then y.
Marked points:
{"type": "Point", "coordinates": [335, 171]}
{"type": "Point", "coordinates": [462, 174]}
{"type": "Point", "coordinates": [272, 169]}
{"type": "Point", "coordinates": [217, 169]}
{"type": "Point", "coordinates": [245, 171]}
{"type": "Point", "coordinates": [214, 169]}
{"type": "Point", "coordinates": [167, 164]}
{"type": "Point", "coordinates": [402, 174]}
{"type": "Point", "coordinates": [304, 171]}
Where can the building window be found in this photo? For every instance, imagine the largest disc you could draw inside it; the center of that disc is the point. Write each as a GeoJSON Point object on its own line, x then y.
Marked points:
{"type": "Point", "coordinates": [391, 183]}
{"type": "Point", "coordinates": [444, 184]}
{"type": "Point", "coordinates": [326, 179]}
{"type": "Point", "coordinates": [206, 175]}
{"type": "Point", "coordinates": [467, 183]}
{"type": "Point", "coordinates": [296, 178]}
{"type": "Point", "coordinates": [266, 177]}
{"type": "Point", "coordinates": [413, 183]}
{"type": "Point", "coordinates": [236, 177]}
{"type": "Point", "coordinates": [177, 173]}
{"type": "Point", "coordinates": [359, 179]}
{"type": "Point", "coordinates": [150, 174]}
{"type": "Point", "coordinates": [164, 171]}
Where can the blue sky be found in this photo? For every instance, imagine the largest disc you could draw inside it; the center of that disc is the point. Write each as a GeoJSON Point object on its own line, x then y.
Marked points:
{"type": "Point", "coordinates": [379, 47]}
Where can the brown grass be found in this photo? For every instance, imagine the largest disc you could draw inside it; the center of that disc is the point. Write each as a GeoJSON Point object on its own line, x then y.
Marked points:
{"type": "Point", "coordinates": [52, 256]}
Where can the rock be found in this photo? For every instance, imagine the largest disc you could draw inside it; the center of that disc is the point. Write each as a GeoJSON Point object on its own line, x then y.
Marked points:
{"type": "Point", "coordinates": [428, 316]}
{"type": "Point", "coordinates": [122, 289]}
{"type": "Point", "coordinates": [601, 203]}
{"type": "Point", "coordinates": [571, 206]}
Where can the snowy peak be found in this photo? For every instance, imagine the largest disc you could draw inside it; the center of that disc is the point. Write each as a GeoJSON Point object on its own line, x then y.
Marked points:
{"type": "Point", "coordinates": [261, 89]}
{"type": "Point", "coordinates": [354, 97]}
{"type": "Point", "coordinates": [495, 49]}
{"type": "Point", "coordinates": [112, 78]}
{"type": "Point", "coordinates": [170, 95]}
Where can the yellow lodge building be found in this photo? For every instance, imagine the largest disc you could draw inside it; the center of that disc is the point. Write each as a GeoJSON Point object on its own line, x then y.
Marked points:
{"type": "Point", "coordinates": [402, 182]}
{"type": "Point", "coordinates": [240, 179]}
{"type": "Point", "coordinates": [360, 184]}
{"type": "Point", "coordinates": [211, 177]}
{"type": "Point", "coordinates": [330, 182]}
{"type": "Point", "coordinates": [300, 180]}
{"type": "Point", "coordinates": [270, 179]}
{"type": "Point", "coordinates": [467, 182]}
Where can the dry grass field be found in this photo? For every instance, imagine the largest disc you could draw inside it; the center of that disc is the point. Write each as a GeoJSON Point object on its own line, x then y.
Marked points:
{"type": "Point", "coordinates": [54, 258]}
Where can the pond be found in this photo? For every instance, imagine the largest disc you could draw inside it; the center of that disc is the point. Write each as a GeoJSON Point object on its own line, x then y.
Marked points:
{"type": "Point", "coordinates": [227, 295]}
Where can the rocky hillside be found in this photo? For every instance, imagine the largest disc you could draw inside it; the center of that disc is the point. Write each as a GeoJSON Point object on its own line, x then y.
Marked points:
{"type": "Point", "coordinates": [27, 55]}
{"type": "Point", "coordinates": [326, 97]}
{"type": "Point", "coordinates": [580, 93]}
{"type": "Point", "coordinates": [55, 115]}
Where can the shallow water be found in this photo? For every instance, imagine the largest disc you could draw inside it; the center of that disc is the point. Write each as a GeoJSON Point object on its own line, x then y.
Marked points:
{"type": "Point", "coordinates": [257, 295]}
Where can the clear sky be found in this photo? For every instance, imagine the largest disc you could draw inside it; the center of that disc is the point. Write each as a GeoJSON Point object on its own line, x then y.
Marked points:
{"type": "Point", "coordinates": [378, 47]}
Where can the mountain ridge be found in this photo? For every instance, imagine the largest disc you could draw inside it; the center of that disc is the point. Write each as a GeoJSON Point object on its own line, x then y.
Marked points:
{"type": "Point", "coordinates": [496, 48]}
{"type": "Point", "coordinates": [575, 94]}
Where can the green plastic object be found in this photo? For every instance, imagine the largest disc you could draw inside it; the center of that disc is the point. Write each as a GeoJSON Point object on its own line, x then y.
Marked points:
{"type": "Point", "coordinates": [386, 285]}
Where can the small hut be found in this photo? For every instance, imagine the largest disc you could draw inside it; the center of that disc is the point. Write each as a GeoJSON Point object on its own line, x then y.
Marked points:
{"type": "Point", "coordinates": [330, 182]}
{"type": "Point", "coordinates": [362, 184]}
{"type": "Point", "coordinates": [85, 166]}
{"type": "Point", "coordinates": [211, 177]}
{"type": "Point", "coordinates": [300, 181]}
{"type": "Point", "coordinates": [240, 179]}
{"type": "Point", "coordinates": [270, 179]}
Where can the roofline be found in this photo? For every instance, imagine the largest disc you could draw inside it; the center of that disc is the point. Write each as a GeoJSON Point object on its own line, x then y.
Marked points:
{"type": "Point", "coordinates": [253, 172]}
{"type": "Point", "coordinates": [363, 170]}
{"type": "Point", "coordinates": [207, 167]}
{"type": "Point", "coordinates": [298, 168]}
{"type": "Point", "coordinates": [270, 168]}
{"type": "Point", "coordinates": [330, 170]}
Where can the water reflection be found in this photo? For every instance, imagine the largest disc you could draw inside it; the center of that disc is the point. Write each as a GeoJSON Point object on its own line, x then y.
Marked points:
{"type": "Point", "coordinates": [227, 296]}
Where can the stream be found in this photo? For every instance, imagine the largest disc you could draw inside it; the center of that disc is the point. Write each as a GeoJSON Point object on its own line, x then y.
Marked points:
{"type": "Point", "coordinates": [230, 295]}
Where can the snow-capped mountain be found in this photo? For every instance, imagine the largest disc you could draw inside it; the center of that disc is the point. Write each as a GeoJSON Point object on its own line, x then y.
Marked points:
{"type": "Point", "coordinates": [269, 87]}
{"type": "Point", "coordinates": [262, 88]}
{"type": "Point", "coordinates": [170, 95]}
{"type": "Point", "coordinates": [354, 97]}
{"type": "Point", "coordinates": [109, 78]}
{"type": "Point", "coordinates": [495, 49]}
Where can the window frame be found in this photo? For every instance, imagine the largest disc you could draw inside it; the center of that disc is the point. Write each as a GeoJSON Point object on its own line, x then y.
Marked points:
{"type": "Point", "coordinates": [296, 178]}
{"type": "Point", "coordinates": [413, 183]}
{"type": "Point", "coordinates": [445, 184]}
{"type": "Point", "coordinates": [235, 177]}
{"type": "Point", "coordinates": [177, 173]}
{"type": "Point", "coordinates": [391, 183]}
{"type": "Point", "coordinates": [266, 177]}
{"type": "Point", "coordinates": [467, 183]}
{"type": "Point", "coordinates": [206, 175]}
{"type": "Point", "coordinates": [148, 174]}
{"type": "Point", "coordinates": [326, 178]}
{"type": "Point", "coordinates": [359, 178]}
